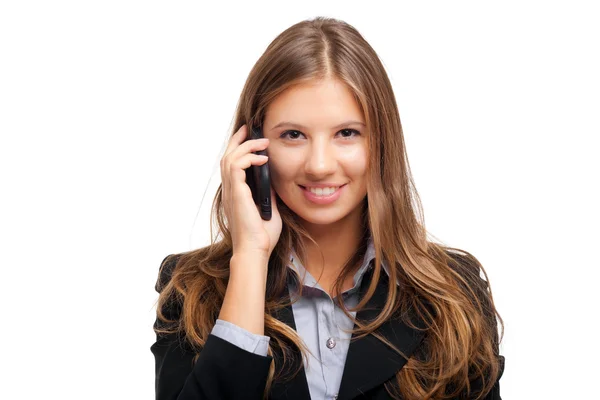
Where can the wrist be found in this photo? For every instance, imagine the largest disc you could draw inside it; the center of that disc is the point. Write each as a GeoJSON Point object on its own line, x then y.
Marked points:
{"type": "Point", "coordinates": [250, 258]}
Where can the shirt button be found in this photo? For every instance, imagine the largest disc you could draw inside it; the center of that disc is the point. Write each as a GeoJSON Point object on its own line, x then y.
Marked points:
{"type": "Point", "coordinates": [330, 343]}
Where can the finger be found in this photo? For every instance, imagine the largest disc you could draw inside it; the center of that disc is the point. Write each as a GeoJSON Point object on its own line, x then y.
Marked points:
{"type": "Point", "coordinates": [237, 138]}
{"type": "Point", "coordinates": [273, 199]}
{"type": "Point", "coordinates": [234, 172]}
{"type": "Point", "coordinates": [234, 142]}
{"type": "Point", "coordinates": [237, 173]}
{"type": "Point", "coordinates": [248, 147]}
{"type": "Point", "coordinates": [238, 167]}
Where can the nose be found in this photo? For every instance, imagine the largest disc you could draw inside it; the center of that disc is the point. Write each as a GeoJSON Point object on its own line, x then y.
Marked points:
{"type": "Point", "coordinates": [321, 160]}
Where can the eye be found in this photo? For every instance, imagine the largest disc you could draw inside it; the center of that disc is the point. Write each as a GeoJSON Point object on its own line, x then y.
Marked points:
{"type": "Point", "coordinates": [286, 134]}
{"type": "Point", "coordinates": [349, 132]}
{"type": "Point", "coordinates": [346, 134]}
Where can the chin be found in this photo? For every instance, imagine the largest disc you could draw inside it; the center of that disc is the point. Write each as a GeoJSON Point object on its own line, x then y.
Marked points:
{"type": "Point", "coordinates": [321, 217]}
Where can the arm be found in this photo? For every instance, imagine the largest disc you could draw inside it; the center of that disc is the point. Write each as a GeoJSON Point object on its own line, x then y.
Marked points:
{"type": "Point", "coordinates": [223, 370]}
{"type": "Point", "coordinates": [494, 394]}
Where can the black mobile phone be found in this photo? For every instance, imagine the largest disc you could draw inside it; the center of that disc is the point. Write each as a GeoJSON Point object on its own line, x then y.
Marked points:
{"type": "Point", "coordinates": [259, 180]}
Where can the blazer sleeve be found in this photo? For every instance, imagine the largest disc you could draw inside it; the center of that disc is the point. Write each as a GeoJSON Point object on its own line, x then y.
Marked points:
{"type": "Point", "coordinates": [222, 371]}
{"type": "Point", "coordinates": [494, 394]}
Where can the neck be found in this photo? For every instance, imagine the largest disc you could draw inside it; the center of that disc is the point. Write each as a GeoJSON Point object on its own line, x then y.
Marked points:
{"type": "Point", "coordinates": [338, 242]}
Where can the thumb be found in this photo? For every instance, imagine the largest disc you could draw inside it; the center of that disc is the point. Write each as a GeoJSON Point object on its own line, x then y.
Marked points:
{"type": "Point", "coordinates": [273, 199]}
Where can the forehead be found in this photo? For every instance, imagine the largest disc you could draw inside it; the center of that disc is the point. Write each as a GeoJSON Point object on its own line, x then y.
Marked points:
{"type": "Point", "coordinates": [325, 100]}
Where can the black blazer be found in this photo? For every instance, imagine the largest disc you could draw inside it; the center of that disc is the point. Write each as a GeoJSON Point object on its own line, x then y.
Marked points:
{"type": "Point", "coordinates": [223, 371]}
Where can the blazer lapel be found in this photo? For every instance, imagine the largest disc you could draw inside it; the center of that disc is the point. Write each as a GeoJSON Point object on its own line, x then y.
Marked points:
{"type": "Point", "coordinates": [370, 362]}
{"type": "Point", "coordinates": [297, 387]}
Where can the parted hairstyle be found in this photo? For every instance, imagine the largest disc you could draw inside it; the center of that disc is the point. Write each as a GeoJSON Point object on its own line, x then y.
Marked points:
{"type": "Point", "coordinates": [441, 285]}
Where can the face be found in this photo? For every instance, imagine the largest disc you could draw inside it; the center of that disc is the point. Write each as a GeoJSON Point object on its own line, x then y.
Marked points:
{"type": "Point", "coordinates": [317, 135]}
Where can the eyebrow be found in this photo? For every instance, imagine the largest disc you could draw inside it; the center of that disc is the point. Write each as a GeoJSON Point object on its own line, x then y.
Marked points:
{"type": "Point", "coordinates": [299, 126]}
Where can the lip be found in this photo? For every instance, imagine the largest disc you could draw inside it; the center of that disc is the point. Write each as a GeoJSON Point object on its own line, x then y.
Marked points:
{"type": "Point", "coordinates": [313, 198]}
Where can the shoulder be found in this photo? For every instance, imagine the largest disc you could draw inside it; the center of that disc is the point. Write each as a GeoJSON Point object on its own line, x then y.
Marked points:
{"type": "Point", "coordinates": [468, 268]}
{"type": "Point", "coordinates": [165, 272]}
{"type": "Point", "coordinates": [472, 280]}
{"type": "Point", "coordinates": [476, 287]}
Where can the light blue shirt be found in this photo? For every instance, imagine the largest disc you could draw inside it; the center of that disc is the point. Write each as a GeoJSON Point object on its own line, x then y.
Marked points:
{"type": "Point", "coordinates": [320, 323]}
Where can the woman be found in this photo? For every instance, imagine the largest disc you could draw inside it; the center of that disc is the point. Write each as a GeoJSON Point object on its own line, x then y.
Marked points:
{"type": "Point", "coordinates": [302, 306]}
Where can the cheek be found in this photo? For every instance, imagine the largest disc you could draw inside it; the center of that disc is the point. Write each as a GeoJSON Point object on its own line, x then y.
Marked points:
{"type": "Point", "coordinates": [355, 162]}
{"type": "Point", "coordinates": [282, 167]}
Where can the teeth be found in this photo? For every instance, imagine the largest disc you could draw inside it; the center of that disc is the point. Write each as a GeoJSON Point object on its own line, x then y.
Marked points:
{"type": "Point", "coordinates": [323, 191]}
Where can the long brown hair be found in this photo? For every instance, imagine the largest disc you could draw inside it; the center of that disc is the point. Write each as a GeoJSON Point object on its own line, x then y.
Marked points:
{"type": "Point", "coordinates": [441, 283]}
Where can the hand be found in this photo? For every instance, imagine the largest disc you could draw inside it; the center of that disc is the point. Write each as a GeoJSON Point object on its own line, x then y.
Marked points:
{"type": "Point", "coordinates": [250, 233]}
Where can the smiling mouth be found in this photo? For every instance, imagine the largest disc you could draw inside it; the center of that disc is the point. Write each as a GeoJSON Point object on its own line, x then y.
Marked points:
{"type": "Point", "coordinates": [321, 192]}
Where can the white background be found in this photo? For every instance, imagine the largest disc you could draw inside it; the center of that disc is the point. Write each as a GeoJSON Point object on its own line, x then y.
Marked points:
{"type": "Point", "coordinates": [113, 114]}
